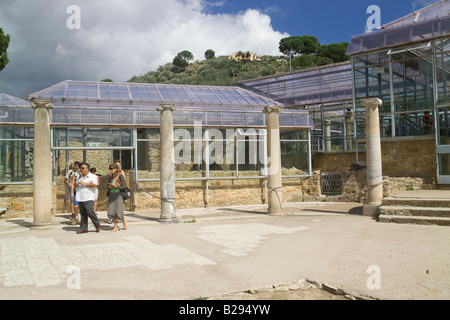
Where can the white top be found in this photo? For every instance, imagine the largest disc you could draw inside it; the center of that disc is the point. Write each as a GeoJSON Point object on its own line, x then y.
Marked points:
{"type": "Point", "coordinates": [85, 193]}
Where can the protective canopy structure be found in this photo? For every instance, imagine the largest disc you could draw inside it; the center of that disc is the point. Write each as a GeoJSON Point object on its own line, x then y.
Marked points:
{"type": "Point", "coordinates": [134, 104]}
{"type": "Point", "coordinates": [307, 87]}
{"type": "Point", "coordinates": [426, 24]}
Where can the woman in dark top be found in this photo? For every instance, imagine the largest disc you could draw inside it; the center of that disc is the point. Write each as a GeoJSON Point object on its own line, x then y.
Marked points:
{"type": "Point", "coordinates": [116, 185]}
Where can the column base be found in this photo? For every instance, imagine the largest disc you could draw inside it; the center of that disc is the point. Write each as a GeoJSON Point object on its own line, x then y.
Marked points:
{"type": "Point", "coordinates": [276, 212]}
{"type": "Point", "coordinates": [168, 220]}
{"type": "Point", "coordinates": [370, 209]}
{"type": "Point", "coordinates": [41, 226]}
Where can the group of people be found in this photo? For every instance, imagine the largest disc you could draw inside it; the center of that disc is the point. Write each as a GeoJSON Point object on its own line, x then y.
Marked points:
{"type": "Point", "coordinates": [82, 184]}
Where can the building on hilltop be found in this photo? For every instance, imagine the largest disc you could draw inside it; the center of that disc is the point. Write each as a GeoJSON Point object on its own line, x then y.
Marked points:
{"type": "Point", "coordinates": [244, 56]}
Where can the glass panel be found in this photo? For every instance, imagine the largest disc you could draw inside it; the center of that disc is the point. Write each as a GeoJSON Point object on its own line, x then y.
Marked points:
{"type": "Point", "coordinates": [183, 118]}
{"type": "Point", "coordinates": [413, 82]}
{"type": "Point", "coordinates": [148, 153]}
{"type": "Point", "coordinates": [293, 135]}
{"type": "Point", "coordinates": [76, 138]}
{"type": "Point", "coordinates": [16, 115]}
{"type": "Point", "coordinates": [442, 70]}
{"type": "Point", "coordinates": [200, 117]}
{"type": "Point", "coordinates": [222, 152]}
{"type": "Point", "coordinates": [213, 119]}
{"type": "Point", "coordinates": [444, 168]}
{"type": "Point", "coordinates": [7, 114]}
{"type": "Point", "coordinates": [92, 137]}
{"type": "Point", "coordinates": [98, 137]}
{"type": "Point", "coordinates": [149, 117]}
{"type": "Point", "coordinates": [286, 120]}
{"type": "Point", "coordinates": [24, 115]}
{"type": "Point", "coordinates": [385, 125]}
{"type": "Point", "coordinates": [414, 124]}
{"type": "Point", "coordinates": [234, 119]}
{"type": "Point", "coordinates": [16, 161]}
{"type": "Point", "coordinates": [401, 36]}
{"type": "Point", "coordinates": [444, 126]}
{"type": "Point", "coordinates": [65, 116]}
{"type": "Point", "coordinates": [421, 33]}
{"type": "Point", "coordinates": [250, 153]}
{"type": "Point", "coordinates": [255, 119]}
{"type": "Point", "coordinates": [148, 133]}
{"type": "Point", "coordinates": [374, 41]}
{"type": "Point", "coordinates": [123, 117]}
{"type": "Point", "coordinates": [121, 138]}
{"type": "Point", "coordinates": [294, 158]}
{"type": "Point", "coordinates": [148, 159]}
{"type": "Point", "coordinates": [16, 132]}
{"type": "Point", "coordinates": [96, 116]}
{"type": "Point", "coordinates": [303, 120]}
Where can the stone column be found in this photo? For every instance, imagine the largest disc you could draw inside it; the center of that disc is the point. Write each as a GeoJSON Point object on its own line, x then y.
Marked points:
{"type": "Point", "coordinates": [327, 130]}
{"type": "Point", "coordinates": [373, 155]}
{"type": "Point", "coordinates": [274, 160]}
{"type": "Point", "coordinates": [348, 129]}
{"type": "Point", "coordinates": [167, 164]}
{"type": "Point", "coordinates": [42, 165]}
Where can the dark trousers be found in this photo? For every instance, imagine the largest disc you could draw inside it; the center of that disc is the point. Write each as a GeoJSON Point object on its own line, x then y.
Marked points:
{"type": "Point", "coordinates": [87, 210]}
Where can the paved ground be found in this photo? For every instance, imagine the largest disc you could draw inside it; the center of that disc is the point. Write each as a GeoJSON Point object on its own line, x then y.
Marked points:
{"type": "Point", "coordinates": [222, 250]}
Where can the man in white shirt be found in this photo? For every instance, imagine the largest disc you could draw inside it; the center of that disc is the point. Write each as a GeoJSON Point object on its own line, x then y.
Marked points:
{"type": "Point", "coordinates": [86, 184]}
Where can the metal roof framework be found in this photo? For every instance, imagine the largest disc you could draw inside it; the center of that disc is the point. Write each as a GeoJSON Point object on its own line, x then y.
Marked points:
{"type": "Point", "coordinates": [429, 23]}
{"type": "Point", "coordinates": [88, 103]}
{"type": "Point", "coordinates": [314, 86]}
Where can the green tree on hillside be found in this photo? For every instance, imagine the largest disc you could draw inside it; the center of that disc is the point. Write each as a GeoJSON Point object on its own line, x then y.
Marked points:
{"type": "Point", "coordinates": [335, 51]}
{"type": "Point", "coordinates": [4, 43]}
{"type": "Point", "coordinates": [186, 55]}
{"type": "Point", "coordinates": [209, 54]}
{"type": "Point", "coordinates": [299, 45]}
{"type": "Point", "coordinates": [181, 61]}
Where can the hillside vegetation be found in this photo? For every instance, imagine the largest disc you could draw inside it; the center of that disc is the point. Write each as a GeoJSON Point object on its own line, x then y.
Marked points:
{"type": "Point", "coordinates": [218, 71]}
{"type": "Point", "coordinates": [305, 52]}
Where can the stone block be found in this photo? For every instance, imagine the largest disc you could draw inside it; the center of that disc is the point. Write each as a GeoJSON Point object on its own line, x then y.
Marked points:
{"type": "Point", "coordinates": [17, 206]}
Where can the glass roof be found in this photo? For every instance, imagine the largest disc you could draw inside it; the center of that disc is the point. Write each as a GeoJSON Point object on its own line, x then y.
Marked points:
{"type": "Point", "coordinates": [77, 103]}
{"type": "Point", "coordinates": [10, 101]}
{"type": "Point", "coordinates": [324, 84]}
{"type": "Point", "coordinates": [142, 95]}
{"type": "Point", "coordinates": [431, 22]}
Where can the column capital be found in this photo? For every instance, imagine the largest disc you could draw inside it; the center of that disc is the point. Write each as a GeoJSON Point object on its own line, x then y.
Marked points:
{"type": "Point", "coordinates": [36, 104]}
{"type": "Point", "coordinates": [372, 103]}
{"type": "Point", "coordinates": [271, 109]}
{"type": "Point", "coordinates": [166, 107]}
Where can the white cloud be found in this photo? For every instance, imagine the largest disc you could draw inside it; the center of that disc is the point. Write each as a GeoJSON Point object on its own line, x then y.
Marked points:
{"type": "Point", "coordinates": [119, 39]}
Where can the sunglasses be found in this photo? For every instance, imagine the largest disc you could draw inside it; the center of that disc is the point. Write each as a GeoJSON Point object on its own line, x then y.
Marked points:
{"type": "Point", "coordinates": [111, 168]}
{"type": "Point", "coordinates": [82, 168]}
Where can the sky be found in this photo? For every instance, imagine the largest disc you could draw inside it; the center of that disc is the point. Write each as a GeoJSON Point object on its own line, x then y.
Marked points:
{"type": "Point", "coordinates": [57, 40]}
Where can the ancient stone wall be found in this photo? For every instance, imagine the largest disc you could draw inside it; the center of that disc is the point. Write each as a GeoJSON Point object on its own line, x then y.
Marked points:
{"type": "Point", "coordinates": [407, 164]}
{"type": "Point", "coordinates": [407, 157]}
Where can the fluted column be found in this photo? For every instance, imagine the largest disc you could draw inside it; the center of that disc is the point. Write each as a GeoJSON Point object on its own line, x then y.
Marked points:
{"type": "Point", "coordinates": [167, 164]}
{"type": "Point", "coordinates": [275, 198]}
{"type": "Point", "coordinates": [348, 129]}
{"type": "Point", "coordinates": [327, 125]}
{"type": "Point", "coordinates": [42, 165]}
{"type": "Point", "coordinates": [373, 155]}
